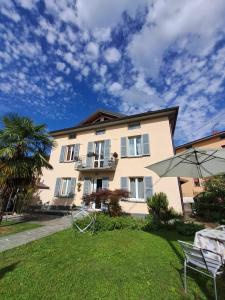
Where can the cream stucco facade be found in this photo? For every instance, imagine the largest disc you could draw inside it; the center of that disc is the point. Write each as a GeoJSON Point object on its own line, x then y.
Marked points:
{"type": "Point", "coordinates": [158, 129]}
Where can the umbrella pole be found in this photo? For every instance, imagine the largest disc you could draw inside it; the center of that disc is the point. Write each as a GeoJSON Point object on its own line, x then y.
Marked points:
{"type": "Point", "coordinates": [198, 164]}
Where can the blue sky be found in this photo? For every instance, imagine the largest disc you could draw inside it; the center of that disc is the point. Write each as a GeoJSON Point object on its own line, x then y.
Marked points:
{"type": "Point", "coordinates": [60, 60]}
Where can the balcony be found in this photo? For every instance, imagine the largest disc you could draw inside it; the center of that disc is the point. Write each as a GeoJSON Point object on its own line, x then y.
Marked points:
{"type": "Point", "coordinates": [94, 162]}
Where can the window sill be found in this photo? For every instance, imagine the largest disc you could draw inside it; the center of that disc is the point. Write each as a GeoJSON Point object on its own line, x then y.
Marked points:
{"type": "Point", "coordinates": [65, 196]}
{"type": "Point", "coordinates": [135, 156]}
{"type": "Point", "coordinates": [134, 200]}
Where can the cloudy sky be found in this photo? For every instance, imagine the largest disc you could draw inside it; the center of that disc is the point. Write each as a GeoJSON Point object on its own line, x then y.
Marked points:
{"type": "Point", "coordinates": [60, 60]}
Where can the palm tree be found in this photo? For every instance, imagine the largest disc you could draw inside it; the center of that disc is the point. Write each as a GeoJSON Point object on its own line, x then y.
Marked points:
{"type": "Point", "coordinates": [24, 149]}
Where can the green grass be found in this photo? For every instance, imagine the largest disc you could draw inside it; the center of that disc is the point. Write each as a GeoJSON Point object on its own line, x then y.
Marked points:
{"type": "Point", "coordinates": [9, 227]}
{"type": "Point", "coordinates": [109, 265]}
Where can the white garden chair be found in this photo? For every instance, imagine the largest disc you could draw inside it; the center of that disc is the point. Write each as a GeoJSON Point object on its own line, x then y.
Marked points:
{"type": "Point", "coordinates": [221, 227]}
{"type": "Point", "coordinates": [203, 261]}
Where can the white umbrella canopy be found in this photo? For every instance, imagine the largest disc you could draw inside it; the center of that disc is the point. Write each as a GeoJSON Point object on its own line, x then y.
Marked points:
{"type": "Point", "coordinates": [194, 162]}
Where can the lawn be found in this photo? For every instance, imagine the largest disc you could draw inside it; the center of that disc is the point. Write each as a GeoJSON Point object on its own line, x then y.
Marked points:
{"type": "Point", "coordinates": [108, 265]}
{"type": "Point", "coordinates": [8, 227]}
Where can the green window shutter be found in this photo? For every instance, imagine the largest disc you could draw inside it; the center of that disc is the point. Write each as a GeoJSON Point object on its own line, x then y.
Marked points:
{"type": "Point", "coordinates": [71, 188]}
{"type": "Point", "coordinates": [124, 183]}
{"type": "Point", "coordinates": [105, 182]}
{"type": "Point", "coordinates": [107, 146]}
{"type": "Point", "coordinates": [76, 149]}
{"type": "Point", "coordinates": [145, 145]}
{"type": "Point", "coordinates": [148, 186]}
{"type": "Point", "coordinates": [62, 154]}
{"type": "Point", "coordinates": [57, 187]}
{"type": "Point", "coordinates": [90, 149]}
{"type": "Point", "coordinates": [87, 186]}
{"type": "Point", "coordinates": [123, 147]}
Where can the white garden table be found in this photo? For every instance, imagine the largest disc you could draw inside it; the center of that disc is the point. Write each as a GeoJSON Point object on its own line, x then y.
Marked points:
{"type": "Point", "coordinates": [211, 239]}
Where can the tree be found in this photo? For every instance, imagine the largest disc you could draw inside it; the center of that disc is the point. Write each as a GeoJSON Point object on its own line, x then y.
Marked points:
{"type": "Point", "coordinates": [158, 204]}
{"type": "Point", "coordinates": [24, 149]}
{"type": "Point", "coordinates": [216, 186]}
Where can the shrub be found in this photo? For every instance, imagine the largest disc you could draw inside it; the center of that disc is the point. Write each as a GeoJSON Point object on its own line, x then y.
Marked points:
{"type": "Point", "coordinates": [209, 207]}
{"type": "Point", "coordinates": [110, 198]}
{"type": "Point", "coordinates": [188, 229]}
{"type": "Point", "coordinates": [157, 204]}
{"type": "Point", "coordinates": [104, 222]}
{"type": "Point", "coordinates": [169, 215]}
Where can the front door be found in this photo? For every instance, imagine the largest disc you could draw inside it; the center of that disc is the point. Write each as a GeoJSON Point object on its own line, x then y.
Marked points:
{"type": "Point", "coordinates": [97, 185]}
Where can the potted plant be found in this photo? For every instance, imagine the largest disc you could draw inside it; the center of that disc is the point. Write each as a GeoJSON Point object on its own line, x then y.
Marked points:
{"type": "Point", "coordinates": [115, 155]}
{"type": "Point", "coordinates": [78, 186]}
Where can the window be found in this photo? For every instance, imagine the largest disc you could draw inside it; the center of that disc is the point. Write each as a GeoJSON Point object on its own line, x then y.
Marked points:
{"type": "Point", "coordinates": [222, 137]}
{"type": "Point", "coordinates": [197, 182]}
{"type": "Point", "coordinates": [137, 188]}
{"type": "Point", "coordinates": [70, 153]}
{"type": "Point", "coordinates": [134, 126]}
{"type": "Point", "coordinates": [134, 146]}
{"type": "Point", "coordinates": [100, 131]}
{"type": "Point", "coordinates": [65, 186]}
{"type": "Point", "coordinates": [72, 136]}
{"type": "Point", "coordinates": [99, 154]}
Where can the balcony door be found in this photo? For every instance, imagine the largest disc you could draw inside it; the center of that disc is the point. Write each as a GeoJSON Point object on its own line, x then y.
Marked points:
{"type": "Point", "coordinates": [99, 154]}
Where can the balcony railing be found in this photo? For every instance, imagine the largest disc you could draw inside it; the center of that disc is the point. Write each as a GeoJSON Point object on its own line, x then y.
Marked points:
{"type": "Point", "coordinates": [95, 162]}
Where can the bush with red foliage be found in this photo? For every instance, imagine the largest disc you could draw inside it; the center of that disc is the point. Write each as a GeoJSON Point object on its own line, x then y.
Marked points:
{"type": "Point", "coordinates": [110, 198]}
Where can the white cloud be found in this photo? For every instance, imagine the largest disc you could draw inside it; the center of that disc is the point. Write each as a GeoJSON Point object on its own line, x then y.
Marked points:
{"type": "Point", "coordinates": [102, 34]}
{"type": "Point", "coordinates": [115, 88]}
{"type": "Point", "coordinates": [70, 59]}
{"type": "Point", "coordinates": [28, 4]}
{"type": "Point", "coordinates": [85, 71]}
{"type": "Point", "coordinates": [60, 66]}
{"type": "Point", "coordinates": [7, 8]}
{"type": "Point", "coordinates": [98, 87]}
{"type": "Point", "coordinates": [92, 50]}
{"type": "Point", "coordinates": [169, 21]}
{"type": "Point", "coordinates": [105, 14]}
{"type": "Point", "coordinates": [112, 55]}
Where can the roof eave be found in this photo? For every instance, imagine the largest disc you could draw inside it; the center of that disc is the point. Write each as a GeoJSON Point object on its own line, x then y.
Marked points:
{"type": "Point", "coordinates": [169, 112]}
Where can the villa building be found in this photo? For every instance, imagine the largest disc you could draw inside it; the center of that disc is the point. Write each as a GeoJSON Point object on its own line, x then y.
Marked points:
{"type": "Point", "coordinates": [110, 151]}
{"type": "Point", "coordinates": [193, 186]}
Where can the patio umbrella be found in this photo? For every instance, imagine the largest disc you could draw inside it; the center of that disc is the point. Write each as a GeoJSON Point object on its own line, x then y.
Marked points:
{"type": "Point", "coordinates": [194, 162]}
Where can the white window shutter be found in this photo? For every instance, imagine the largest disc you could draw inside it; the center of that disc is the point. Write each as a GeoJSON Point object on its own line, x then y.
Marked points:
{"type": "Point", "coordinates": [76, 149]}
{"type": "Point", "coordinates": [124, 183]}
{"type": "Point", "coordinates": [105, 182]}
{"type": "Point", "coordinates": [62, 154]}
{"type": "Point", "coordinates": [87, 186]}
{"type": "Point", "coordinates": [148, 186]}
{"type": "Point", "coordinates": [57, 187]}
{"type": "Point", "coordinates": [71, 189]}
{"type": "Point", "coordinates": [89, 160]}
{"type": "Point", "coordinates": [145, 144]}
{"type": "Point", "coordinates": [107, 145]}
{"type": "Point", "coordinates": [123, 147]}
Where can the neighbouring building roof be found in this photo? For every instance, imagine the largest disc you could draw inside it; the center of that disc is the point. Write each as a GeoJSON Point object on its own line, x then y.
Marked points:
{"type": "Point", "coordinates": [110, 118]}
{"type": "Point", "coordinates": [220, 134]}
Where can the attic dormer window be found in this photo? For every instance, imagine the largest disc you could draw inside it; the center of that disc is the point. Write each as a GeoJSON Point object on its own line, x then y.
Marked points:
{"type": "Point", "coordinates": [100, 131]}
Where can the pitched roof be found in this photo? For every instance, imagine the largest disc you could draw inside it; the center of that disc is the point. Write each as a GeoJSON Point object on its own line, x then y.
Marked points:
{"type": "Point", "coordinates": [171, 113]}
{"type": "Point", "coordinates": [107, 115]}
{"type": "Point", "coordinates": [189, 144]}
